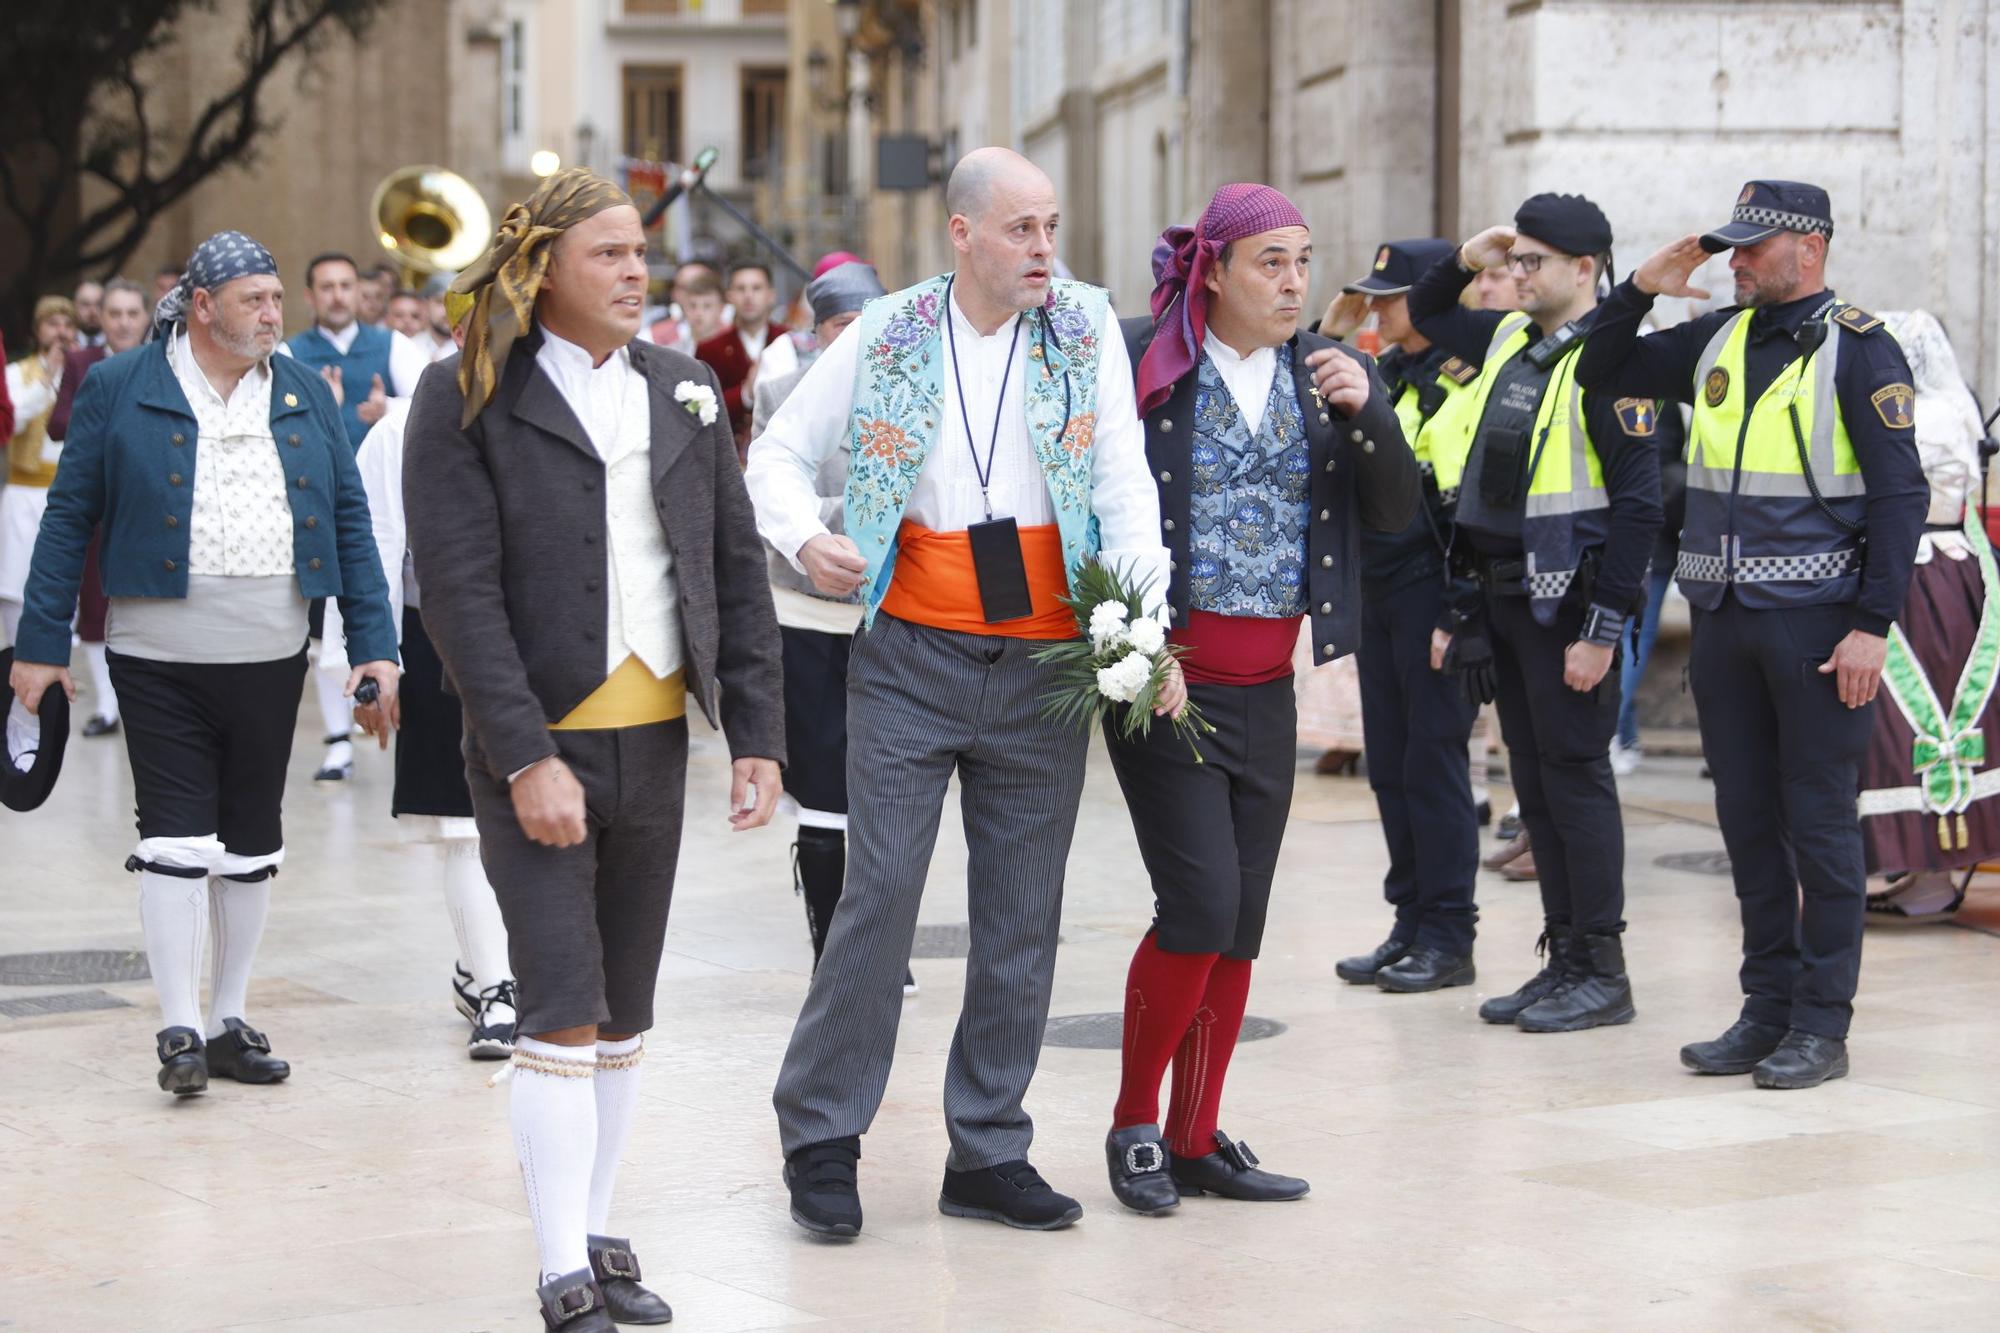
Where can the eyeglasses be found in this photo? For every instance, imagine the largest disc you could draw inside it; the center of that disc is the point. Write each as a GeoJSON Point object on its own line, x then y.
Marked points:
{"type": "Point", "coordinates": [1526, 263]}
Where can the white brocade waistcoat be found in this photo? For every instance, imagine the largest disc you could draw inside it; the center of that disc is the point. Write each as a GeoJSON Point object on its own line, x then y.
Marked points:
{"type": "Point", "coordinates": [642, 593]}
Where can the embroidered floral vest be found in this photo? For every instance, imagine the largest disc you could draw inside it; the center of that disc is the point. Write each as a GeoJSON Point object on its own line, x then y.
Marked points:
{"type": "Point", "coordinates": [899, 408]}
{"type": "Point", "coordinates": [1249, 500]}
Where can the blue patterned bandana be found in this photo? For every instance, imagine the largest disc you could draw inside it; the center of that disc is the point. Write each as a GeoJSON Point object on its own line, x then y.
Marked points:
{"type": "Point", "coordinates": [225, 256]}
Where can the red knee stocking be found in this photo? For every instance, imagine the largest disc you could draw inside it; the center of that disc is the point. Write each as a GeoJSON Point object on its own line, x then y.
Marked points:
{"type": "Point", "coordinates": [1202, 1061]}
{"type": "Point", "coordinates": [1162, 991]}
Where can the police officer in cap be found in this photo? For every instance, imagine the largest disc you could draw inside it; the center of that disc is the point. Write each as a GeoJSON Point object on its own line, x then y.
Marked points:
{"type": "Point", "coordinates": [1558, 506]}
{"type": "Point", "coordinates": [1416, 721]}
{"type": "Point", "coordinates": [1805, 500]}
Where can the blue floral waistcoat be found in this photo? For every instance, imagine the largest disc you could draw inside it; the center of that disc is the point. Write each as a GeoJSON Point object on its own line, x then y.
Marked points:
{"type": "Point", "coordinates": [1249, 500]}
{"type": "Point", "coordinates": [899, 408]}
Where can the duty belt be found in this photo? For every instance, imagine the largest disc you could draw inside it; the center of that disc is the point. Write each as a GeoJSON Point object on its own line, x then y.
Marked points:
{"type": "Point", "coordinates": [1503, 576]}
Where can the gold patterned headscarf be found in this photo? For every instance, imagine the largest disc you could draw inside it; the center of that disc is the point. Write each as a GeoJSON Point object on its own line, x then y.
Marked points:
{"type": "Point", "coordinates": [504, 281]}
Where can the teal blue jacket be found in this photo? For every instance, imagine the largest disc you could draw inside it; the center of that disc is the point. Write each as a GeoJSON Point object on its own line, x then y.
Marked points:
{"type": "Point", "coordinates": [128, 464]}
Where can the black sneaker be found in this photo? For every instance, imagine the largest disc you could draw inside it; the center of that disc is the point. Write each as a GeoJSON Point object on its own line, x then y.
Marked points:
{"type": "Point", "coordinates": [1012, 1192]}
{"type": "Point", "coordinates": [493, 1028]}
{"type": "Point", "coordinates": [464, 995]}
{"type": "Point", "coordinates": [826, 1198]}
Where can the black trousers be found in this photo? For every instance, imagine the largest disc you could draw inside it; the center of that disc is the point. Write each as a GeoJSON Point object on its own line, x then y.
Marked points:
{"type": "Point", "coordinates": [430, 761]}
{"type": "Point", "coordinates": [816, 718]}
{"type": "Point", "coordinates": [1210, 832]}
{"type": "Point", "coordinates": [1417, 724]}
{"type": "Point", "coordinates": [209, 743]}
{"type": "Point", "coordinates": [1559, 756]}
{"type": "Point", "coordinates": [1786, 754]}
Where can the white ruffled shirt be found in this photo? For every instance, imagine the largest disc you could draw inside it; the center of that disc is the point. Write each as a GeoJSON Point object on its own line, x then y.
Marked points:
{"type": "Point", "coordinates": [1248, 378]}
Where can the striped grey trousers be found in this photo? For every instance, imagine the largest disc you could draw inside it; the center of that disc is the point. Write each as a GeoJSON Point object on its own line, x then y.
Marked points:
{"type": "Point", "coordinates": [922, 703]}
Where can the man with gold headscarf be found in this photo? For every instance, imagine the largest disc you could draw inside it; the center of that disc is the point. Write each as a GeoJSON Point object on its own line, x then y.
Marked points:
{"type": "Point", "coordinates": [589, 563]}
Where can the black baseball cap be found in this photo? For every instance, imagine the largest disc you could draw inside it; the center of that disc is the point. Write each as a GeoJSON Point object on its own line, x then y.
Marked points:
{"type": "Point", "coordinates": [1398, 264]}
{"type": "Point", "coordinates": [1766, 208]}
{"type": "Point", "coordinates": [25, 791]}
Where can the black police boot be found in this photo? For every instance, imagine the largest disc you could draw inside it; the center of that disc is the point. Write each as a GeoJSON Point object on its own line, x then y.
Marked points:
{"type": "Point", "coordinates": [183, 1062]}
{"type": "Point", "coordinates": [1802, 1060]}
{"type": "Point", "coordinates": [574, 1303]}
{"type": "Point", "coordinates": [1554, 946]}
{"type": "Point", "coordinates": [826, 1197]}
{"type": "Point", "coordinates": [1736, 1051]}
{"type": "Point", "coordinates": [1593, 993]}
{"type": "Point", "coordinates": [617, 1271]}
{"type": "Point", "coordinates": [1360, 970]}
{"type": "Point", "coordinates": [1138, 1163]}
{"type": "Point", "coordinates": [244, 1054]}
{"type": "Point", "coordinates": [1010, 1192]}
{"type": "Point", "coordinates": [1425, 969]}
{"type": "Point", "coordinates": [819, 870]}
{"type": "Point", "coordinates": [1230, 1172]}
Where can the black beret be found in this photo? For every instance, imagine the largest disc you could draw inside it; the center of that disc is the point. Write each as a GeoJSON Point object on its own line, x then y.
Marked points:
{"type": "Point", "coordinates": [1568, 222]}
{"type": "Point", "coordinates": [26, 790]}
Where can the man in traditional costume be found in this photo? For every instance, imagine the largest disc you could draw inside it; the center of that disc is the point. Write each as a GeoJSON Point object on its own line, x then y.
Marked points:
{"type": "Point", "coordinates": [33, 384]}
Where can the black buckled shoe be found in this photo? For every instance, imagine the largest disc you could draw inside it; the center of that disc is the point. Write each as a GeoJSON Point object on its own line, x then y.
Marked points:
{"type": "Point", "coordinates": [1595, 992]}
{"type": "Point", "coordinates": [617, 1271]}
{"type": "Point", "coordinates": [574, 1303]}
{"type": "Point", "coordinates": [1230, 1172]}
{"type": "Point", "coordinates": [183, 1062]}
{"type": "Point", "coordinates": [244, 1054]}
{"type": "Point", "coordinates": [826, 1197]}
{"type": "Point", "coordinates": [1360, 970]}
{"type": "Point", "coordinates": [1802, 1060]}
{"type": "Point", "coordinates": [1736, 1051]}
{"type": "Point", "coordinates": [1554, 945]}
{"type": "Point", "coordinates": [1425, 969]}
{"type": "Point", "coordinates": [1011, 1192]}
{"type": "Point", "coordinates": [1138, 1163]}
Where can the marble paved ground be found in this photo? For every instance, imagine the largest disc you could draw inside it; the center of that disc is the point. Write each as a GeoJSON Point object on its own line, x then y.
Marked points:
{"type": "Point", "coordinates": [1464, 1176]}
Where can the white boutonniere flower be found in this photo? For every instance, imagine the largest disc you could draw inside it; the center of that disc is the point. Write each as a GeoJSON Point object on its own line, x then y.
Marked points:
{"type": "Point", "coordinates": [699, 399]}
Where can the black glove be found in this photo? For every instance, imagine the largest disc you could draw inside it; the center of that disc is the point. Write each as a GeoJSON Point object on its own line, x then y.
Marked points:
{"type": "Point", "coordinates": [1470, 659]}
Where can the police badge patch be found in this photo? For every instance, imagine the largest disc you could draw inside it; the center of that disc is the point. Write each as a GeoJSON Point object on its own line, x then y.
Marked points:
{"type": "Point", "coordinates": [1896, 405]}
{"type": "Point", "coordinates": [1638, 416]}
{"type": "Point", "coordinates": [1716, 387]}
{"type": "Point", "coordinates": [1382, 259]}
{"type": "Point", "coordinates": [1459, 372]}
{"type": "Point", "coordinates": [1749, 193]}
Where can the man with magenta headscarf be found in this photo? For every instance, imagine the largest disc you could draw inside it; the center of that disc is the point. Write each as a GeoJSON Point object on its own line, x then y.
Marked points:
{"type": "Point", "coordinates": [1272, 447]}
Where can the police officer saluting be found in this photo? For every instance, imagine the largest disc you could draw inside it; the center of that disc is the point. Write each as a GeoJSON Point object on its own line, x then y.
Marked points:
{"type": "Point", "coordinates": [1558, 506]}
{"type": "Point", "coordinates": [1805, 500]}
{"type": "Point", "coordinates": [1416, 722]}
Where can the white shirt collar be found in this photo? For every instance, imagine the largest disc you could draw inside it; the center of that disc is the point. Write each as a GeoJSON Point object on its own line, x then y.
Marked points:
{"type": "Point", "coordinates": [188, 370]}
{"type": "Point", "coordinates": [571, 359]}
{"type": "Point", "coordinates": [1225, 355]}
{"type": "Point", "coordinates": [1006, 329]}
{"type": "Point", "coordinates": [1248, 377]}
{"type": "Point", "coordinates": [343, 341]}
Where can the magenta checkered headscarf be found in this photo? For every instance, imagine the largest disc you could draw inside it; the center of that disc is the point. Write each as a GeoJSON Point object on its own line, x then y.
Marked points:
{"type": "Point", "coordinates": [1181, 262]}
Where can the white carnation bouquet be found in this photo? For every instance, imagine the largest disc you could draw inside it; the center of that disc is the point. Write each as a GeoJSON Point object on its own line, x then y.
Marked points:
{"type": "Point", "coordinates": [1119, 660]}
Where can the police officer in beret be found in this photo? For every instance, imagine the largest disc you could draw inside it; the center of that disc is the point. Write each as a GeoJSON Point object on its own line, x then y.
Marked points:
{"type": "Point", "coordinates": [1805, 500]}
{"type": "Point", "coordinates": [1416, 721]}
{"type": "Point", "coordinates": [1558, 506]}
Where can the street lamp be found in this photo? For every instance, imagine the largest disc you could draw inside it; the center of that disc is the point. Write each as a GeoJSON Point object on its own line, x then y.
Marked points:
{"type": "Point", "coordinates": [545, 162]}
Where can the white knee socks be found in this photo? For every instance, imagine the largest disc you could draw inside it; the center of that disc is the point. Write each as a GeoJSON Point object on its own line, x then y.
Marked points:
{"type": "Point", "coordinates": [336, 710]}
{"type": "Point", "coordinates": [236, 924]}
{"type": "Point", "coordinates": [554, 1114]}
{"type": "Point", "coordinates": [475, 914]}
{"type": "Point", "coordinates": [106, 705]}
{"type": "Point", "coordinates": [173, 913]}
{"type": "Point", "coordinates": [617, 1099]}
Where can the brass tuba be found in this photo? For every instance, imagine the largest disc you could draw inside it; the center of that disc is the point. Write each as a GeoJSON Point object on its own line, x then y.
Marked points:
{"type": "Point", "coordinates": [432, 220]}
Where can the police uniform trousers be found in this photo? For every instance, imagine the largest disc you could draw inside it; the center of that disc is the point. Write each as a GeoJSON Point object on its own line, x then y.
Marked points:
{"type": "Point", "coordinates": [923, 704]}
{"type": "Point", "coordinates": [585, 924]}
{"type": "Point", "coordinates": [430, 767]}
{"type": "Point", "coordinates": [1786, 755]}
{"type": "Point", "coordinates": [1210, 831]}
{"type": "Point", "coordinates": [1559, 758]}
{"type": "Point", "coordinates": [1417, 724]}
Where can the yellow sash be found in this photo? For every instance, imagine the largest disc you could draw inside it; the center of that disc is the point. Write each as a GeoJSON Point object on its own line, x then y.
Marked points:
{"type": "Point", "coordinates": [631, 696]}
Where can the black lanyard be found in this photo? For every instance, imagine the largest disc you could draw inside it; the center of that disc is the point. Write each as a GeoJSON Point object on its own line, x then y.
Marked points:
{"type": "Point", "coordinates": [985, 474]}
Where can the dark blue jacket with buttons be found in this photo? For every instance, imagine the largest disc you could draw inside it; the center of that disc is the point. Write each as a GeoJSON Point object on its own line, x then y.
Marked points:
{"type": "Point", "coordinates": [1364, 475]}
{"type": "Point", "coordinates": [128, 464]}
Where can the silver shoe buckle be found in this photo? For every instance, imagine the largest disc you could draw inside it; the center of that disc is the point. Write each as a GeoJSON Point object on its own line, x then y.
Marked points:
{"type": "Point", "coordinates": [574, 1303]}
{"type": "Point", "coordinates": [617, 1263]}
{"type": "Point", "coordinates": [1143, 1158]}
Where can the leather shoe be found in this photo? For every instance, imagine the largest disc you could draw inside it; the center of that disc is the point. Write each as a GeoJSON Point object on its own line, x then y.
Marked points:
{"type": "Point", "coordinates": [1521, 870]}
{"type": "Point", "coordinates": [574, 1303]}
{"type": "Point", "coordinates": [99, 725]}
{"type": "Point", "coordinates": [1802, 1060]}
{"type": "Point", "coordinates": [617, 1271]}
{"type": "Point", "coordinates": [1360, 970]}
{"type": "Point", "coordinates": [1514, 847]}
{"type": "Point", "coordinates": [1736, 1051]}
{"type": "Point", "coordinates": [1594, 991]}
{"type": "Point", "coordinates": [244, 1054]}
{"type": "Point", "coordinates": [1230, 1172]}
{"type": "Point", "coordinates": [1010, 1192]}
{"type": "Point", "coordinates": [826, 1198]}
{"type": "Point", "coordinates": [1424, 968]}
{"type": "Point", "coordinates": [1555, 944]}
{"type": "Point", "coordinates": [183, 1062]}
{"type": "Point", "coordinates": [1138, 1163]}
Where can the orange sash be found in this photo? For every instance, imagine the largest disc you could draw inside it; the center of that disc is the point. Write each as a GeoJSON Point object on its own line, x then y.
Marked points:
{"type": "Point", "coordinates": [934, 584]}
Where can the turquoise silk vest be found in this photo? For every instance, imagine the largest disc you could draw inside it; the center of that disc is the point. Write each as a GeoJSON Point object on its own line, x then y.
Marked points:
{"type": "Point", "coordinates": [899, 414]}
